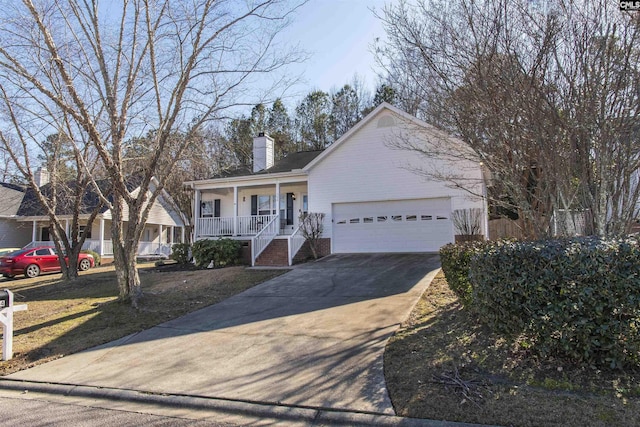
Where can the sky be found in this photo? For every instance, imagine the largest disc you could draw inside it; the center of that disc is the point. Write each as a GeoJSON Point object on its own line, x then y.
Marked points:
{"type": "Point", "coordinates": [338, 35]}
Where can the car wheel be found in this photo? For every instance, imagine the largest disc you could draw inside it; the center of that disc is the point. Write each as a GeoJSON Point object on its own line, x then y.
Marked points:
{"type": "Point", "coordinates": [84, 265]}
{"type": "Point", "coordinates": [32, 271]}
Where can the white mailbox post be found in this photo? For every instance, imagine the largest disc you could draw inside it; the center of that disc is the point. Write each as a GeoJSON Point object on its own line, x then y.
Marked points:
{"type": "Point", "coordinates": [6, 318]}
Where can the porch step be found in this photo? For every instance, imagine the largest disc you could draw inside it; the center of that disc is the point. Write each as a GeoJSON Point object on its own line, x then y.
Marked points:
{"type": "Point", "coordinates": [275, 255]}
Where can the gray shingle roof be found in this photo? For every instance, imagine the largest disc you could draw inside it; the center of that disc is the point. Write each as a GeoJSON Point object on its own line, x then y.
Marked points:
{"type": "Point", "coordinates": [291, 162]}
{"type": "Point", "coordinates": [31, 206]}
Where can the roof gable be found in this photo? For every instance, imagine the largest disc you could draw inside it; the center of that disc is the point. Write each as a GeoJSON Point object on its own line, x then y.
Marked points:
{"type": "Point", "coordinates": [367, 119]}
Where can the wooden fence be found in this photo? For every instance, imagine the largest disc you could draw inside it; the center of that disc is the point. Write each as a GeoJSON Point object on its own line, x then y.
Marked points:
{"type": "Point", "coordinates": [503, 228]}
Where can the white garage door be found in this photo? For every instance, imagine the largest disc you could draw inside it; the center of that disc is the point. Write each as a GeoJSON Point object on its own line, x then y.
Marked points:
{"type": "Point", "coordinates": [422, 225]}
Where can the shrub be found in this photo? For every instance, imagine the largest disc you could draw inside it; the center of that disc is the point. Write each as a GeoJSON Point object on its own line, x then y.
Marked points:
{"type": "Point", "coordinates": [455, 261]}
{"type": "Point", "coordinates": [311, 226]}
{"type": "Point", "coordinates": [96, 257]}
{"type": "Point", "coordinates": [180, 253]}
{"type": "Point", "coordinates": [577, 298]}
{"type": "Point", "coordinates": [222, 252]}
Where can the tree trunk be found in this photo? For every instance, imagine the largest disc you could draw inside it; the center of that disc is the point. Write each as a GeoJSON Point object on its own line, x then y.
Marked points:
{"type": "Point", "coordinates": [312, 246]}
{"type": "Point", "coordinates": [124, 258]}
{"type": "Point", "coordinates": [68, 269]}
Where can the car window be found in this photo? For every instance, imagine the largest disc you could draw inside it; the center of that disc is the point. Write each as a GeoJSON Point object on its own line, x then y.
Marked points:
{"type": "Point", "coordinates": [42, 252]}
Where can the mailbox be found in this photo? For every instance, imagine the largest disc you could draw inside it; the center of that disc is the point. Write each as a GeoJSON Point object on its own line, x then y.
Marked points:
{"type": "Point", "coordinates": [5, 300]}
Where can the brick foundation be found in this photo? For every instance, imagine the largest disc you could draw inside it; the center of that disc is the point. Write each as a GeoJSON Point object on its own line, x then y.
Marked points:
{"type": "Point", "coordinates": [304, 254]}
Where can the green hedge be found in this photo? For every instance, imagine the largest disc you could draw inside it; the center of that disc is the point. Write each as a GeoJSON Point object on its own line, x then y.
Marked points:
{"type": "Point", "coordinates": [222, 252]}
{"type": "Point", "coordinates": [455, 261]}
{"type": "Point", "coordinates": [180, 253]}
{"type": "Point", "coordinates": [96, 257]}
{"type": "Point", "coordinates": [576, 298]}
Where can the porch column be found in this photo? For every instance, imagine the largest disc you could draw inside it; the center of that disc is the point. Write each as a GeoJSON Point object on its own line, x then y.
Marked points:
{"type": "Point", "coordinates": [172, 230]}
{"type": "Point", "coordinates": [196, 216]}
{"type": "Point", "coordinates": [235, 210]}
{"type": "Point", "coordinates": [66, 227]}
{"type": "Point", "coordinates": [101, 247]}
{"type": "Point", "coordinates": [182, 235]}
{"type": "Point", "coordinates": [34, 232]}
{"type": "Point", "coordinates": [278, 199]}
{"type": "Point", "coordinates": [160, 242]}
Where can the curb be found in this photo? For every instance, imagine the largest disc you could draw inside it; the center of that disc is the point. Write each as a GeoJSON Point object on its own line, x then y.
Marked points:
{"type": "Point", "coordinates": [312, 415]}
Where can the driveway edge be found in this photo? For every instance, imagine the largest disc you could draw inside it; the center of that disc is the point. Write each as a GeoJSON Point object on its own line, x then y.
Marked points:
{"type": "Point", "coordinates": [312, 416]}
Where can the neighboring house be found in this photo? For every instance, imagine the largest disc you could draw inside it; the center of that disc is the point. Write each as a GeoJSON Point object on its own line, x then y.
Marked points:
{"type": "Point", "coordinates": [13, 234]}
{"type": "Point", "coordinates": [372, 199]}
{"type": "Point", "coordinates": [164, 226]}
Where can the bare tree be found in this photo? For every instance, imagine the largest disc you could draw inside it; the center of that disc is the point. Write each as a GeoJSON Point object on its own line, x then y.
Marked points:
{"type": "Point", "coordinates": [69, 167]}
{"type": "Point", "coordinates": [118, 71]}
{"type": "Point", "coordinates": [546, 94]}
{"type": "Point", "coordinates": [311, 226]}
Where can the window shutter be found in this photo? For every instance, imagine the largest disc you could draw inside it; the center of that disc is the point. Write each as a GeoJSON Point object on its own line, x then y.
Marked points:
{"type": "Point", "coordinates": [216, 208]}
{"type": "Point", "coordinates": [254, 204]}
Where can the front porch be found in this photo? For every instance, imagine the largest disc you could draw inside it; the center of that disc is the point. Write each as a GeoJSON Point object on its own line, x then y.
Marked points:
{"type": "Point", "coordinates": [257, 209]}
{"type": "Point", "coordinates": [157, 239]}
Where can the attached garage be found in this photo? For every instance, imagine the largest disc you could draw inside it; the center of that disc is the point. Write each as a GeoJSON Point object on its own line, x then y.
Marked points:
{"type": "Point", "coordinates": [416, 225]}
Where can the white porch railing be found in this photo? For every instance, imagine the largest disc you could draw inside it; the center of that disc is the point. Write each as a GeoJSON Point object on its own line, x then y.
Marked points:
{"type": "Point", "coordinates": [224, 226]}
{"type": "Point", "coordinates": [261, 240]}
{"type": "Point", "coordinates": [296, 240]}
{"type": "Point", "coordinates": [144, 248]}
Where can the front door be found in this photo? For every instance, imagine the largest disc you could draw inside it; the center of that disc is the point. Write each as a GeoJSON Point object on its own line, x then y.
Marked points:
{"type": "Point", "coordinates": [289, 216]}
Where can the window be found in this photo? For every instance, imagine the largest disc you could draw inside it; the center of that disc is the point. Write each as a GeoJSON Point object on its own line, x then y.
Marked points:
{"type": "Point", "coordinates": [441, 217]}
{"type": "Point", "coordinates": [412, 218]}
{"type": "Point", "coordinates": [426, 217]}
{"type": "Point", "coordinates": [305, 204]}
{"type": "Point", "coordinates": [367, 219]}
{"type": "Point", "coordinates": [264, 204]}
{"type": "Point", "coordinates": [342, 221]}
{"type": "Point", "coordinates": [43, 252]}
{"type": "Point", "coordinates": [206, 210]}
{"type": "Point", "coordinates": [382, 218]}
{"type": "Point", "coordinates": [354, 221]}
{"type": "Point", "coordinates": [396, 217]}
{"type": "Point", "coordinates": [82, 228]}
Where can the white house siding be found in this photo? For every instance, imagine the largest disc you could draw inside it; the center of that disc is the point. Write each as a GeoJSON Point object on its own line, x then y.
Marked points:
{"type": "Point", "coordinates": [363, 168]}
{"type": "Point", "coordinates": [14, 234]}
{"type": "Point", "coordinates": [161, 213]}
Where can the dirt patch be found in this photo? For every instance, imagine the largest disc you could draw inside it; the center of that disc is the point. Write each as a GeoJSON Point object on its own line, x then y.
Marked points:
{"type": "Point", "coordinates": [67, 317]}
{"type": "Point", "coordinates": [443, 364]}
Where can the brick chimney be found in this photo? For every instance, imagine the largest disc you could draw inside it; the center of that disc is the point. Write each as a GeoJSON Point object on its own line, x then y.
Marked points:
{"type": "Point", "coordinates": [41, 176]}
{"type": "Point", "coordinates": [262, 152]}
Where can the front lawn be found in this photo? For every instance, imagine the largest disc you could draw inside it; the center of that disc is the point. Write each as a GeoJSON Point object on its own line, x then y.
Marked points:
{"type": "Point", "coordinates": [443, 364]}
{"type": "Point", "coordinates": [67, 317]}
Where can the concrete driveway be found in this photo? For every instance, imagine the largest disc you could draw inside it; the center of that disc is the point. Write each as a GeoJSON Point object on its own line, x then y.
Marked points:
{"type": "Point", "coordinates": [313, 337]}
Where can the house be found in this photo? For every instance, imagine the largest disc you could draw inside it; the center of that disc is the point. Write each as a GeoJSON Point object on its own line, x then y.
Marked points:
{"type": "Point", "coordinates": [13, 234]}
{"type": "Point", "coordinates": [164, 226]}
{"type": "Point", "coordinates": [368, 189]}
{"type": "Point", "coordinates": [373, 199]}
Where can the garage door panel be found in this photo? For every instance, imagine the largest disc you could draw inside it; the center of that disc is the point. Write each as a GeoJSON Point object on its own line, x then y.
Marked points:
{"type": "Point", "coordinates": [392, 226]}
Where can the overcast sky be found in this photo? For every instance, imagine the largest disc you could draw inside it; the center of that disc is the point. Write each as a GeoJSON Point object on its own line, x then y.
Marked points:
{"type": "Point", "coordinates": [338, 34]}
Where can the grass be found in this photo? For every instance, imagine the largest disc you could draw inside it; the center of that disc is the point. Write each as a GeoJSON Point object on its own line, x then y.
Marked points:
{"type": "Point", "coordinates": [67, 317]}
{"type": "Point", "coordinates": [443, 364]}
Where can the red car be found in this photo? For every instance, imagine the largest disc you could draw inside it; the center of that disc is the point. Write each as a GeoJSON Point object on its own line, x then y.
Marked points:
{"type": "Point", "coordinates": [33, 261]}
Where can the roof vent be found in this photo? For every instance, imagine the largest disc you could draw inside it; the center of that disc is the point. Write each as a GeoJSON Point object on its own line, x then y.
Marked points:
{"type": "Point", "coordinates": [385, 122]}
